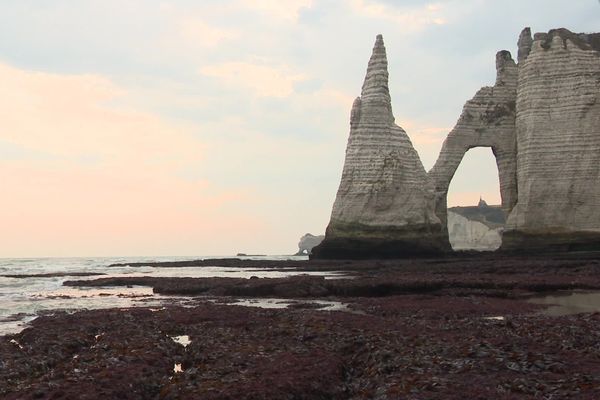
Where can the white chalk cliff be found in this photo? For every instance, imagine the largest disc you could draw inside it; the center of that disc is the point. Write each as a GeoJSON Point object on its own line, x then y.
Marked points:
{"type": "Point", "coordinates": [476, 227]}
{"type": "Point", "coordinates": [542, 121]}
{"type": "Point", "coordinates": [558, 143]}
{"type": "Point", "coordinates": [307, 242]}
{"type": "Point", "coordinates": [384, 204]}
{"type": "Point", "coordinates": [466, 234]}
{"type": "Point", "coordinates": [487, 120]}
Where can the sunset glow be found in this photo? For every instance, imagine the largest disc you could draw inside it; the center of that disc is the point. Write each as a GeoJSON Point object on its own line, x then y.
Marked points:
{"type": "Point", "coordinates": [217, 127]}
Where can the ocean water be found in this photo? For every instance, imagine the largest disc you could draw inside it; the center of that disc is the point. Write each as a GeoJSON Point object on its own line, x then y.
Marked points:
{"type": "Point", "coordinates": [23, 299]}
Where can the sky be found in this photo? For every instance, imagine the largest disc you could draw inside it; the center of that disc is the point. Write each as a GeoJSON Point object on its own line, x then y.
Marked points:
{"type": "Point", "coordinates": [212, 127]}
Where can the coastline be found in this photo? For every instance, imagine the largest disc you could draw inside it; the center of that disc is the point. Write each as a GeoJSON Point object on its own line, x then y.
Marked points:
{"type": "Point", "coordinates": [427, 328]}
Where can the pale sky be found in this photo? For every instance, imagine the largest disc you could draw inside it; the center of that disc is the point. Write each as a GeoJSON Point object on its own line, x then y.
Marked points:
{"type": "Point", "coordinates": [211, 127]}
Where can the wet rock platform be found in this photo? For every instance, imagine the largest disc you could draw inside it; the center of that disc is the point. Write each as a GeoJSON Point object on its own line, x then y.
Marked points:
{"type": "Point", "coordinates": [451, 328]}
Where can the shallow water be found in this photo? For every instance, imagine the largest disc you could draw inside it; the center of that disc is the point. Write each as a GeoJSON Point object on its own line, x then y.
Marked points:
{"type": "Point", "coordinates": [183, 340]}
{"type": "Point", "coordinates": [324, 305]}
{"type": "Point", "coordinates": [569, 303]}
{"type": "Point", "coordinates": [22, 299]}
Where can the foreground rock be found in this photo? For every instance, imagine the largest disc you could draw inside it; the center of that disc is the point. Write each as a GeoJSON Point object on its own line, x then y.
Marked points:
{"type": "Point", "coordinates": [384, 205]}
{"type": "Point", "coordinates": [417, 347]}
{"type": "Point", "coordinates": [482, 275]}
{"type": "Point", "coordinates": [450, 328]}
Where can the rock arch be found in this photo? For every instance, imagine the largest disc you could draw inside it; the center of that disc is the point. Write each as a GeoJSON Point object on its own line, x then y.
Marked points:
{"type": "Point", "coordinates": [542, 121]}
{"type": "Point", "coordinates": [487, 120]}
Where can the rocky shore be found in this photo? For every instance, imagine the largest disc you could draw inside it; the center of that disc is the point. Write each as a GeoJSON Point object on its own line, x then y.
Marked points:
{"type": "Point", "coordinates": [447, 328]}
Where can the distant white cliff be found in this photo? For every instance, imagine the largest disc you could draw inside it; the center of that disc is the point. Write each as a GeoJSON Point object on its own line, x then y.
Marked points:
{"type": "Point", "coordinates": [476, 228]}
{"type": "Point", "coordinates": [307, 242]}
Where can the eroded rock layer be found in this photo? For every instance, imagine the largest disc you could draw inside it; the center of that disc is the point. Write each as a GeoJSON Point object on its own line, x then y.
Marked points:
{"type": "Point", "coordinates": [385, 203]}
{"type": "Point", "coordinates": [487, 120]}
{"type": "Point", "coordinates": [558, 144]}
{"type": "Point", "coordinates": [542, 121]}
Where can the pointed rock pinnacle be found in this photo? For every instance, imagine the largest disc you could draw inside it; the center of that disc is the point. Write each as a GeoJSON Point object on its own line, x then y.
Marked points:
{"type": "Point", "coordinates": [376, 103]}
{"type": "Point", "coordinates": [376, 80]}
{"type": "Point", "coordinates": [525, 42]}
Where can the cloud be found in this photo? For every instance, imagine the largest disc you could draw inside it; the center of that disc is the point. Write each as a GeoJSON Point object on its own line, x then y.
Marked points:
{"type": "Point", "coordinates": [256, 140]}
{"type": "Point", "coordinates": [421, 133]}
{"type": "Point", "coordinates": [426, 138]}
{"type": "Point", "coordinates": [202, 34]}
{"type": "Point", "coordinates": [92, 174]}
{"type": "Point", "coordinates": [71, 116]}
{"type": "Point", "coordinates": [287, 10]}
{"type": "Point", "coordinates": [87, 177]}
{"type": "Point", "coordinates": [335, 97]}
{"type": "Point", "coordinates": [59, 209]}
{"type": "Point", "coordinates": [262, 79]}
{"type": "Point", "coordinates": [410, 18]}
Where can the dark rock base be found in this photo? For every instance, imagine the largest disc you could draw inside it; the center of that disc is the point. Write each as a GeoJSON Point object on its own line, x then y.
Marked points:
{"type": "Point", "coordinates": [358, 241]}
{"type": "Point", "coordinates": [521, 242]}
{"type": "Point", "coordinates": [345, 248]}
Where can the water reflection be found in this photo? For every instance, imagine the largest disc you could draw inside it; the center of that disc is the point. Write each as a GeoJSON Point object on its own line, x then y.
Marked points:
{"type": "Point", "coordinates": [569, 303]}
{"type": "Point", "coordinates": [183, 340]}
{"type": "Point", "coordinates": [24, 297]}
{"type": "Point", "coordinates": [323, 305]}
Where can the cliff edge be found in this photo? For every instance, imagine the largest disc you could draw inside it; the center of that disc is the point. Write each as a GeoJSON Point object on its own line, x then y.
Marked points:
{"type": "Point", "coordinates": [558, 144]}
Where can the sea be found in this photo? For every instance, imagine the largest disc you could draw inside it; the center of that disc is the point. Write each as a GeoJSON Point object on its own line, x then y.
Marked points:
{"type": "Point", "coordinates": [23, 299]}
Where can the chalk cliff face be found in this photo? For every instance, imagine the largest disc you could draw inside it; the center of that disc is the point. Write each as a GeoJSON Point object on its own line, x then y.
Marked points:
{"type": "Point", "coordinates": [466, 234]}
{"type": "Point", "coordinates": [542, 121]}
{"type": "Point", "coordinates": [307, 242]}
{"type": "Point", "coordinates": [558, 143]}
{"type": "Point", "coordinates": [385, 203]}
{"type": "Point", "coordinates": [487, 120]}
{"type": "Point", "coordinates": [476, 227]}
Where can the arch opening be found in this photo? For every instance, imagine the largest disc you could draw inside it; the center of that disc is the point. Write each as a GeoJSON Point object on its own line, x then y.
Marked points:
{"type": "Point", "coordinates": [475, 216]}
